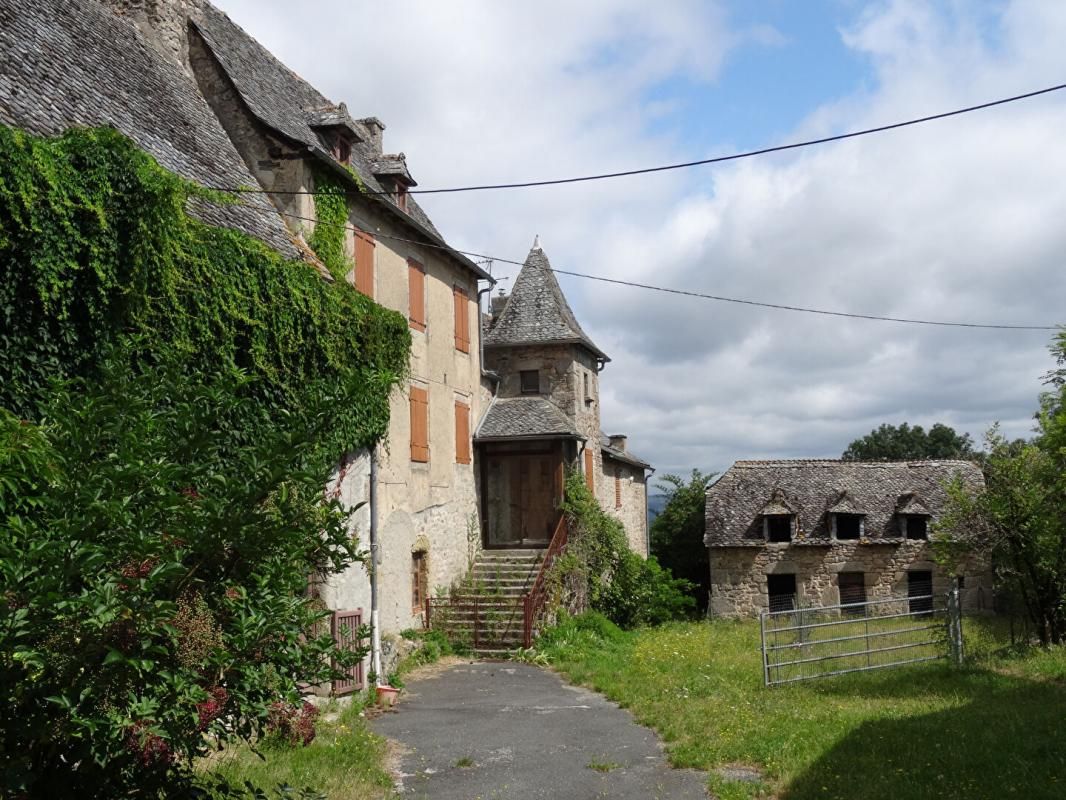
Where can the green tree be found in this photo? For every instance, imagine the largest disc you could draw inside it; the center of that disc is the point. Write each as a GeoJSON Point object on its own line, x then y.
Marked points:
{"type": "Point", "coordinates": [677, 533]}
{"type": "Point", "coordinates": [907, 442]}
{"type": "Point", "coordinates": [1018, 520]}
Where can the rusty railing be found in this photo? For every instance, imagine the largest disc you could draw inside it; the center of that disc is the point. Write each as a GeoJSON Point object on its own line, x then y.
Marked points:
{"type": "Point", "coordinates": [533, 601]}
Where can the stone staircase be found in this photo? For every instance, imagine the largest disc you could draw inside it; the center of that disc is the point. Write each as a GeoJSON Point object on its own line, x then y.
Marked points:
{"type": "Point", "coordinates": [490, 600]}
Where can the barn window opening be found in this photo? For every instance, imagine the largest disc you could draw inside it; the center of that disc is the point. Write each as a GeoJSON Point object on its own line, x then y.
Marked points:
{"type": "Point", "coordinates": [852, 587]}
{"type": "Point", "coordinates": [920, 591]}
{"type": "Point", "coordinates": [778, 527]}
{"type": "Point", "coordinates": [781, 592]}
{"type": "Point", "coordinates": [848, 526]}
{"type": "Point", "coordinates": [917, 527]}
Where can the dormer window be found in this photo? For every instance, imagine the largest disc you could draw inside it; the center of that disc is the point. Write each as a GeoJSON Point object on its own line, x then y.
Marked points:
{"type": "Point", "coordinates": [401, 196]}
{"type": "Point", "coordinates": [916, 526]}
{"type": "Point", "coordinates": [913, 517]}
{"type": "Point", "coordinates": [342, 149]}
{"type": "Point", "coordinates": [848, 527]}
{"type": "Point", "coordinates": [778, 527]}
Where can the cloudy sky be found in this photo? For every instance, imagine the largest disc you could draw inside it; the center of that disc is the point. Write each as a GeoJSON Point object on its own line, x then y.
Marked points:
{"type": "Point", "coordinates": [958, 220]}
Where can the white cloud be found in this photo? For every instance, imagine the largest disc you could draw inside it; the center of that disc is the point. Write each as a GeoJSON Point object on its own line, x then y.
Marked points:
{"type": "Point", "coordinates": [958, 219]}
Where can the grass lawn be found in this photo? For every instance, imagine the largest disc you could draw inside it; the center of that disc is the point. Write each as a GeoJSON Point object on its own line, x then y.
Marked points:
{"type": "Point", "coordinates": [345, 761]}
{"type": "Point", "coordinates": [995, 729]}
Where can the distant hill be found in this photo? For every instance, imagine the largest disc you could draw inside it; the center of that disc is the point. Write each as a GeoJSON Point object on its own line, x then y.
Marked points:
{"type": "Point", "coordinates": [656, 504]}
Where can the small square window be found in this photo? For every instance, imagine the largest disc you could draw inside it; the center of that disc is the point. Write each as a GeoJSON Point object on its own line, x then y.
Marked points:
{"type": "Point", "coordinates": [530, 379]}
{"type": "Point", "coordinates": [917, 527]}
{"type": "Point", "coordinates": [779, 528]}
{"type": "Point", "coordinates": [848, 526]}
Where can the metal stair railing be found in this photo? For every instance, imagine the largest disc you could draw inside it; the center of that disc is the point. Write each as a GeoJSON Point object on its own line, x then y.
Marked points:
{"type": "Point", "coordinates": [534, 600]}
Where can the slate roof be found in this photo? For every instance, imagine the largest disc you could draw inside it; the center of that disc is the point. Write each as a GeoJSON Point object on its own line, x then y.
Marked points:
{"type": "Point", "coordinates": [65, 63]}
{"type": "Point", "coordinates": [284, 101]}
{"type": "Point", "coordinates": [620, 455]}
{"type": "Point", "coordinates": [537, 311]}
{"type": "Point", "coordinates": [813, 487]}
{"type": "Point", "coordinates": [524, 417]}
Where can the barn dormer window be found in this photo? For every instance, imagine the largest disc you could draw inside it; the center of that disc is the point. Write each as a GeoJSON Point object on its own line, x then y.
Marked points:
{"type": "Point", "coordinates": [848, 527]}
{"type": "Point", "coordinates": [916, 526]}
{"type": "Point", "coordinates": [778, 518]}
{"type": "Point", "coordinates": [778, 527]}
{"type": "Point", "coordinates": [913, 517]}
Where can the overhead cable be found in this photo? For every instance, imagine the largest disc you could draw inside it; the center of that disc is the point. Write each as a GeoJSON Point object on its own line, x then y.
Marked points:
{"type": "Point", "coordinates": [689, 293]}
{"type": "Point", "coordinates": [685, 164]}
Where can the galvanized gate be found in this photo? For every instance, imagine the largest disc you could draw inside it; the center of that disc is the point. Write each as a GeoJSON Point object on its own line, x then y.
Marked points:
{"type": "Point", "coordinates": [800, 644]}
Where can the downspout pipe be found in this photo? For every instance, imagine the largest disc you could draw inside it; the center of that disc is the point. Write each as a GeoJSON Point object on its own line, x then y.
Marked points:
{"type": "Point", "coordinates": [481, 335]}
{"type": "Point", "coordinates": [375, 562]}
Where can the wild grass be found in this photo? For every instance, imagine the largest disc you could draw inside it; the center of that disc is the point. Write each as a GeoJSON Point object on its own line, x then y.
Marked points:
{"type": "Point", "coordinates": [995, 728]}
{"type": "Point", "coordinates": [345, 761]}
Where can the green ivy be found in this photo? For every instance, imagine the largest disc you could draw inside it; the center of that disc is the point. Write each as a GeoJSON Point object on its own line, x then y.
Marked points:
{"type": "Point", "coordinates": [599, 572]}
{"type": "Point", "coordinates": [330, 233]}
{"type": "Point", "coordinates": [97, 251]}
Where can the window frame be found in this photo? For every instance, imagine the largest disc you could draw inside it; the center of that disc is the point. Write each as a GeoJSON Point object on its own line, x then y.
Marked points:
{"type": "Point", "coordinates": [416, 271]}
{"type": "Point", "coordinates": [767, 525]}
{"type": "Point", "coordinates": [419, 406]}
{"type": "Point", "coordinates": [522, 375]}
{"type": "Point", "coordinates": [860, 531]}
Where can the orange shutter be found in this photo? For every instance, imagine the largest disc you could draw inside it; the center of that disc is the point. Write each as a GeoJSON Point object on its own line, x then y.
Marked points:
{"type": "Point", "coordinates": [617, 487]}
{"type": "Point", "coordinates": [419, 425]}
{"type": "Point", "coordinates": [588, 470]}
{"type": "Point", "coordinates": [462, 433]}
{"type": "Point", "coordinates": [462, 319]}
{"type": "Point", "coordinates": [416, 281]}
{"type": "Point", "coordinates": [364, 263]}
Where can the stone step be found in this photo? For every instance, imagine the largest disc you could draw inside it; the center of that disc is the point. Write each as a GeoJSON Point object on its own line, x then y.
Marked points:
{"type": "Point", "coordinates": [531, 553]}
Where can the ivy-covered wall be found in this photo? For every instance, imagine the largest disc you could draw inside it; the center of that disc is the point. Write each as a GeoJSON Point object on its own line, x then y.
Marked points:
{"type": "Point", "coordinates": [97, 250]}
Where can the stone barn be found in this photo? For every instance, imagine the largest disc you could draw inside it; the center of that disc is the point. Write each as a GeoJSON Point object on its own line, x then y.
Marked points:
{"type": "Point", "coordinates": [790, 533]}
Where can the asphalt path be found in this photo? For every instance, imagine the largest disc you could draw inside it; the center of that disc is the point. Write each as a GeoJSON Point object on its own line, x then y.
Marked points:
{"type": "Point", "coordinates": [508, 731]}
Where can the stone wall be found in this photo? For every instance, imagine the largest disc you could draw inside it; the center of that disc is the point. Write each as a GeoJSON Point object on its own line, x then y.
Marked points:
{"type": "Point", "coordinates": [738, 574]}
{"type": "Point", "coordinates": [633, 491]}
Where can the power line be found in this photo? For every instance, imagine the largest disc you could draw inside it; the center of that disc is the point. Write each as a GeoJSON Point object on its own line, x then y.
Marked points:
{"type": "Point", "coordinates": [688, 164]}
{"type": "Point", "coordinates": [701, 295]}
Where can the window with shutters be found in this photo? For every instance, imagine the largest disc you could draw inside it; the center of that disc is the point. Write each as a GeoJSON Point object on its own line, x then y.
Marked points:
{"type": "Point", "coordinates": [462, 319]}
{"type": "Point", "coordinates": [462, 433]}
{"type": "Point", "coordinates": [364, 263]}
{"type": "Point", "coordinates": [589, 463]}
{"type": "Point", "coordinates": [416, 281]}
{"type": "Point", "coordinates": [419, 425]}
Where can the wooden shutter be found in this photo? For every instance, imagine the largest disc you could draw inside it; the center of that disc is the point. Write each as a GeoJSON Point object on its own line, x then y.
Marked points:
{"type": "Point", "coordinates": [416, 281]}
{"type": "Point", "coordinates": [419, 425]}
{"type": "Point", "coordinates": [462, 319]}
{"type": "Point", "coordinates": [462, 433]}
{"type": "Point", "coordinates": [589, 463]}
{"type": "Point", "coordinates": [364, 263]}
{"type": "Point", "coordinates": [617, 487]}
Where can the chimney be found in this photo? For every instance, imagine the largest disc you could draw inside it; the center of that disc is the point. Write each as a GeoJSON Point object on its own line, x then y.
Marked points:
{"type": "Point", "coordinates": [618, 441]}
{"type": "Point", "coordinates": [164, 23]}
{"type": "Point", "coordinates": [374, 128]}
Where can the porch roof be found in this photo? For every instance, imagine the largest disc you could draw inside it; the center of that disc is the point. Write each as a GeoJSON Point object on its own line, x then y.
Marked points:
{"type": "Point", "coordinates": [525, 418]}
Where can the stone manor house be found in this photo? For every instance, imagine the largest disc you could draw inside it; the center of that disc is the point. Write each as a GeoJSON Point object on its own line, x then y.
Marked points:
{"type": "Point", "coordinates": [497, 405]}
{"type": "Point", "coordinates": [789, 534]}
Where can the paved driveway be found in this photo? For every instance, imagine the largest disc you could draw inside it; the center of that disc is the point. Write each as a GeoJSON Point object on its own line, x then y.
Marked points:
{"type": "Point", "coordinates": [499, 730]}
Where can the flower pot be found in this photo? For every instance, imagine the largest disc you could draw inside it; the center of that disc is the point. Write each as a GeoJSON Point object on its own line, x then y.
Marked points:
{"type": "Point", "coordinates": [387, 696]}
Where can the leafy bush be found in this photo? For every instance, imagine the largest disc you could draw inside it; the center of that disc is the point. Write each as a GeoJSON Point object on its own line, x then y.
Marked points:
{"type": "Point", "coordinates": [154, 576]}
{"type": "Point", "coordinates": [600, 570]}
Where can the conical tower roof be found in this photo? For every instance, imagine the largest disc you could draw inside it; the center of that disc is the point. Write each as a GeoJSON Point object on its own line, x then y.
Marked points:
{"type": "Point", "coordinates": [537, 311]}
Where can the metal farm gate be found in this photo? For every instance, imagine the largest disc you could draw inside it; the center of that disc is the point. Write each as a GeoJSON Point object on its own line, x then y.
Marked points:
{"type": "Point", "coordinates": [800, 644]}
